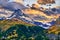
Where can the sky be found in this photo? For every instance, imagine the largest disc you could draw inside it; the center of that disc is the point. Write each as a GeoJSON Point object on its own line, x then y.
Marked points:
{"type": "Point", "coordinates": [30, 2]}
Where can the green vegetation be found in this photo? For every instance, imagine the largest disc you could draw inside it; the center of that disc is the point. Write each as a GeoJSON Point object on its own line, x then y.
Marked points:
{"type": "Point", "coordinates": [23, 32]}
{"type": "Point", "coordinates": [5, 24]}
{"type": "Point", "coordinates": [19, 30]}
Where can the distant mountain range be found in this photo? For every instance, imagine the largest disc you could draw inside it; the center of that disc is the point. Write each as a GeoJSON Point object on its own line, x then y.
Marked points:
{"type": "Point", "coordinates": [52, 11]}
{"type": "Point", "coordinates": [15, 12]}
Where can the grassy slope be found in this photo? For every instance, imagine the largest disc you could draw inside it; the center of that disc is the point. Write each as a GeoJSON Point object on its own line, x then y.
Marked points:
{"type": "Point", "coordinates": [55, 28]}
{"type": "Point", "coordinates": [5, 24]}
{"type": "Point", "coordinates": [22, 30]}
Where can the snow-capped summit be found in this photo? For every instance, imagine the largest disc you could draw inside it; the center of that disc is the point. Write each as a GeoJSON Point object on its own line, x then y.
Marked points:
{"type": "Point", "coordinates": [45, 19]}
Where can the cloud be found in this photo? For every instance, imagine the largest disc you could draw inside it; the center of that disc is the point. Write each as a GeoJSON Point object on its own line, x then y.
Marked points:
{"type": "Point", "coordinates": [46, 1]}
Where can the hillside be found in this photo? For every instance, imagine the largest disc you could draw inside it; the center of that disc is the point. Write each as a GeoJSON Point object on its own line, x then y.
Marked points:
{"type": "Point", "coordinates": [16, 29]}
{"type": "Point", "coordinates": [23, 32]}
{"type": "Point", "coordinates": [5, 24]}
{"type": "Point", "coordinates": [55, 28]}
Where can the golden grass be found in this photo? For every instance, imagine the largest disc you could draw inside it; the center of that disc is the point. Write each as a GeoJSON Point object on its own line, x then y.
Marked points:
{"type": "Point", "coordinates": [5, 24]}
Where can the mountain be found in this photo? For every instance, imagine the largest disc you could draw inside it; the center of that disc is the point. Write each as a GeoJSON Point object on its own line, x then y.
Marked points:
{"type": "Point", "coordinates": [55, 28]}
{"type": "Point", "coordinates": [52, 11]}
{"type": "Point", "coordinates": [42, 18]}
{"type": "Point", "coordinates": [32, 19]}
